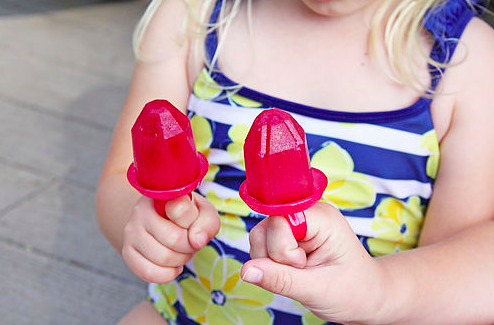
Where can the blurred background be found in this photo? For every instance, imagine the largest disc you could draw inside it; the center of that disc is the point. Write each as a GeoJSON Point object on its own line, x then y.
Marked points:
{"type": "Point", "coordinates": [65, 66]}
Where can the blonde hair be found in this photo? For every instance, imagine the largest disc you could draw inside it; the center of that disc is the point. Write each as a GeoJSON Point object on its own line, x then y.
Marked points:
{"type": "Point", "coordinates": [196, 23]}
{"type": "Point", "coordinates": [397, 25]}
{"type": "Point", "coordinates": [401, 35]}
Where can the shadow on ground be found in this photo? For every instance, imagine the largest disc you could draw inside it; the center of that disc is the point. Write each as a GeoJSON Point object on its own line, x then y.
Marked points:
{"type": "Point", "coordinates": [26, 7]}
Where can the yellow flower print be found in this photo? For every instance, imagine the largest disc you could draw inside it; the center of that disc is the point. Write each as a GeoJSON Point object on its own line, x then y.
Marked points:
{"type": "Point", "coordinates": [397, 225]}
{"type": "Point", "coordinates": [232, 227]}
{"type": "Point", "coordinates": [348, 124]}
{"type": "Point", "coordinates": [308, 318]}
{"type": "Point", "coordinates": [243, 101]}
{"type": "Point", "coordinates": [218, 296]}
{"type": "Point", "coordinates": [429, 142]}
{"type": "Point", "coordinates": [233, 205]}
{"type": "Point", "coordinates": [346, 189]}
{"type": "Point", "coordinates": [205, 87]}
{"type": "Point", "coordinates": [203, 136]}
{"type": "Point", "coordinates": [237, 133]}
{"type": "Point", "coordinates": [168, 296]}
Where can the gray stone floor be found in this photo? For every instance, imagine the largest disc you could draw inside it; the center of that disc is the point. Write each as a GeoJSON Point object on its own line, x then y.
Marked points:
{"type": "Point", "coordinates": [65, 66]}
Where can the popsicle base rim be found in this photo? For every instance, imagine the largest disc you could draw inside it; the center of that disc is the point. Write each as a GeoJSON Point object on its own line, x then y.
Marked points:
{"type": "Point", "coordinates": [320, 181]}
{"type": "Point", "coordinates": [173, 193]}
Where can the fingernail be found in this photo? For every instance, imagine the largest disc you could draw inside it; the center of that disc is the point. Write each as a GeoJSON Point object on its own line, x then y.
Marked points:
{"type": "Point", "coordinates": [253, 275]}
{"type": "Point", "coordinates": [201, 239]}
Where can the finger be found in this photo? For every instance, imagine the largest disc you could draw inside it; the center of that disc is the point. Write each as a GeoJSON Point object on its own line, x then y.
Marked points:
{"type": "Point", "coordinates": [257, 239]}
{"type": "Point", "coordinates": [320, 220]}
{"type": "Point", "coordinates": [330, 239]}
{"type": "Point", "coordinates": [182, 211]}
{"type": "Point", "coordinates": [163, 230]}
{"type": "Point", "coordinates": [206, 226]}
{"type": "Point", "coordinates": [281, 245]}
{"type": "Point", "coordinates": [158, 254]}
{"type": "Point", "coordinates": [170, 235]}
{"type": "Point", "coordinates": [282, 279]}
{"type": "Point", "coordinates": [146, 270]}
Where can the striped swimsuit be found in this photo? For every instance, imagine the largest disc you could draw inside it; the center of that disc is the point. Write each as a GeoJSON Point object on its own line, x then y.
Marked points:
{"type": "Point", "coordinates": [380, 165]}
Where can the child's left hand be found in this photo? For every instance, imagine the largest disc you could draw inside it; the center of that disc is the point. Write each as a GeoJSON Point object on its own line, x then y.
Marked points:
{"type": "Point", "coordinates": [329, 271]}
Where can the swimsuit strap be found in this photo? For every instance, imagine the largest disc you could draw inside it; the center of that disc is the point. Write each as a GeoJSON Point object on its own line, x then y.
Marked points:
{"type": "Point", "coordinates": [447, 23]}
{"type": "Point", "coordinates": [211, 41]}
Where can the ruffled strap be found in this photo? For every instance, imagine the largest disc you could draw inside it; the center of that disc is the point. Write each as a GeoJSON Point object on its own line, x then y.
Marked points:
{"type": "Point", "coordinates": [211, 46]}
{"type": "Point", "coordinates": [211, 41]}
{"type": "Point", "coordinates": [447, 23]}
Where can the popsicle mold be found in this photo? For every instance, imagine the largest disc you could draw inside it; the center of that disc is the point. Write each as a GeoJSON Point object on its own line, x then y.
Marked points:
{"type": "Point", "coordinates": [166, 163]}
{"type": "Point", "coordinates": [279, 179]}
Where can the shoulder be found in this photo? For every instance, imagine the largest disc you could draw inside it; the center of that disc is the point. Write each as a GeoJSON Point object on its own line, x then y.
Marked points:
{"type": "Point", "coordinates": [470, 73]}
{"type": "Point", "coordinates": [174, 32]}
{"type": "Point", "coordinates": [476, 62]}
{"type": "Point", "coordinates": [479, 38]}
{"type": "Point", "coordinates": [461, 198]}
{"type": "Point", "coordinates": [162, 31]}
{"type": "Point", "coordinates": [470, 79]}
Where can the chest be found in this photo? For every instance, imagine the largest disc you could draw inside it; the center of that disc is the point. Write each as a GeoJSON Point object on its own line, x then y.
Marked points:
{"type": "Point", "coordinates": [317, 62]}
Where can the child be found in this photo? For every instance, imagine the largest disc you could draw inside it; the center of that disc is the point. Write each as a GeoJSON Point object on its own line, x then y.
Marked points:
{"type": "Point", "coordinates": [379, 109]}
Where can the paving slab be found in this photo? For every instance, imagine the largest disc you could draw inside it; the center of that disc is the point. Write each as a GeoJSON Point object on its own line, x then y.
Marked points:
{"type": "Point", "coordinates": [17, 185]}
{"type": "Point", "coordinates": [44, 291]}
{"type": "Point", "coordinates": [60, 222]}
{"type": "Point", "coordinates": [52, 145]}
{"type": "Point", "coordinates": [85, 38]}
{"type": "Point", "coordinates": [76, 63]}
{"type": "Point", "coordinates": [32, 81]}
{"type": "Point", "coordinates": [41, 6]}
{"type": "Point", "coordinates": [10, 8]}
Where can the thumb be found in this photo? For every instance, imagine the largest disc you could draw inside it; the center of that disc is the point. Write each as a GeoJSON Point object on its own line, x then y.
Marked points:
{"type": "Point", "coordinates": [281, 279]}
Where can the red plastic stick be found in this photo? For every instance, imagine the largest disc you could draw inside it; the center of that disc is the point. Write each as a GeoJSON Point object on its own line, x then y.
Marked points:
{"type": "Point", "coordinates": [279, 178]}
{"type": "Point", "coordinates": [166, 163]}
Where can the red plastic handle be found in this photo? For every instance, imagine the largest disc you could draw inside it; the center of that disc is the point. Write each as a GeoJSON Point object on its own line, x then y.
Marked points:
{"type": "Point", "coordinates": [297, 224]}
{"type": "Point", "coordinates": [159, 206]}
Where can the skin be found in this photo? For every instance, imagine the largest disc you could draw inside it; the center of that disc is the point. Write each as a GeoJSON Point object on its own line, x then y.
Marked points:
{"type": "Point", "coordinates": [459, 226]}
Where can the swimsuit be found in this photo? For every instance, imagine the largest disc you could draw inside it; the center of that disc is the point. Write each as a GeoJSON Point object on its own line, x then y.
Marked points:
{"type": "Point", "coordinates": [380, 165]}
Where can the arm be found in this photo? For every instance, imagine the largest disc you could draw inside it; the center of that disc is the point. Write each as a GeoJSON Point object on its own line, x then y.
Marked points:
{"type": "Point", "coordinates": [153, 247]}
{"type": "Point", "coordinates": [449, 279]}
{"type": "Point", "coordinates": [450, 282]}
{"type": "Point", "coordinates": [162, 75]}
{"type": "Point", "coordinates": [331, 274]}
{"type": "Point", "coordinates": [115, 197]}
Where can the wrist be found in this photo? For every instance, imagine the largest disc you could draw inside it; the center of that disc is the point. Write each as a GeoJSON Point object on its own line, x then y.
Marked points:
{"type": "Point", "coordinates": [393, 294]}
{"type": "Point", "coordinates": [377, 305]}
{"type": "Point", "coordinates": [115, 199]}
{"type": "Point", "coordinates": [385, 291]}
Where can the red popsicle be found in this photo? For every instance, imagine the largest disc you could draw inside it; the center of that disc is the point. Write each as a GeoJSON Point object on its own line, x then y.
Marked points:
{"type": "Point", "coordinates": [280, 180]}
{"type": "Point", "coordinates": [166, 163]}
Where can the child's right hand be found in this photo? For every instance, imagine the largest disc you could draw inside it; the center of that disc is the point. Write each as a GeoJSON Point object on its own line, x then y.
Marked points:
{"type": "Point", "coordinates": [329, 271]}
{"type": "Point", "coordinates": [156, 248]}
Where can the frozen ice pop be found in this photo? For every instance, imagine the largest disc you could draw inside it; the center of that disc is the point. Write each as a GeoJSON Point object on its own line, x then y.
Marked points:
{"type": "Point", "coordinates": [166, 163]}
{"type": "Point", "coordinates": [279, 179]}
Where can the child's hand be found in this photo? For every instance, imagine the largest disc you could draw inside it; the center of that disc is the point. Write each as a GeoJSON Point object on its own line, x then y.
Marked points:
{"type": "Point", "coordinates": [329, 271]}
{"type": "Point", "coordinates": [156, 248]}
